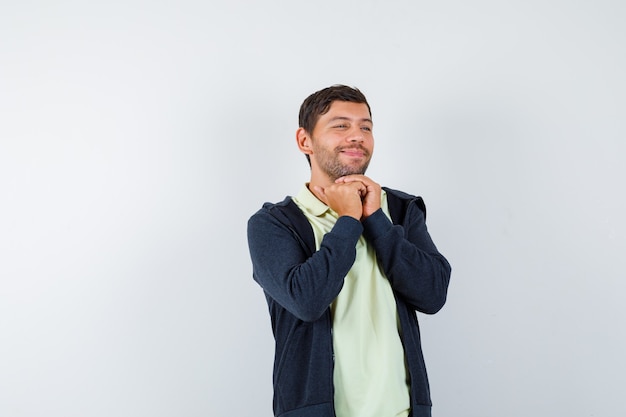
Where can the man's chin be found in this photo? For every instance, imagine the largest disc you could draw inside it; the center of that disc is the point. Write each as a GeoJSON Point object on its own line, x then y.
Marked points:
{"type": "Point", "coordinates": [349, 171]}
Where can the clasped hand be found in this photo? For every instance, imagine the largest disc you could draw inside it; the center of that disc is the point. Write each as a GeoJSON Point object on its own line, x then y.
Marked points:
{"type": "Point", "coordinates": [356, 196]}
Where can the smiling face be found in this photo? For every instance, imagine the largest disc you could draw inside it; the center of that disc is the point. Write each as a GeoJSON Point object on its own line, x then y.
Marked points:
{"type": "Point", "coordinates": [341, 143]}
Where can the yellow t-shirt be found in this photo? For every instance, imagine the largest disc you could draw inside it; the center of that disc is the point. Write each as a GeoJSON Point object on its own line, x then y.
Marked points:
{"type": "Point", "coordinates": [370, 375]}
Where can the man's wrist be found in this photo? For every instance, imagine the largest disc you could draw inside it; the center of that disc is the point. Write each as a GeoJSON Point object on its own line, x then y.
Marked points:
{"type": "Point", "coordinates": [376, 224]}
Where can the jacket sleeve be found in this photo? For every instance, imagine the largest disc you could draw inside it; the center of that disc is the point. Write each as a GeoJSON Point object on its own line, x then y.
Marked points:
{"type": "Point", "coordinates": [416, 270]}
{"type": "Point", "coordinates": [302, 284]}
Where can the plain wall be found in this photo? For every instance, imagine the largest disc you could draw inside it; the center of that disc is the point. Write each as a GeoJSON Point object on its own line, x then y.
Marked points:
{"type": "Point", "coordinates": [138, 137]}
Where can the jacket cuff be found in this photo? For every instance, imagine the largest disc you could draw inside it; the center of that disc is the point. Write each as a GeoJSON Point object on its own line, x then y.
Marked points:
{"type": "Point", "coordinates": [376, 225]}
{"type": "Point", "coordinates": [348, 228]}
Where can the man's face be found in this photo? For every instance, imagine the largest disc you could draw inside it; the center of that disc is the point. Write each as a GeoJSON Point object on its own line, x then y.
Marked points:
{"type": "Point", "coordinates": [342, 140]}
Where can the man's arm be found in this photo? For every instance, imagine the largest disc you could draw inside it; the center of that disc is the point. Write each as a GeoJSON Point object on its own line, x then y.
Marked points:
{"type": "Point", "coordinates": [409, 258]}
{"type": "Point", "coordinates": [303, 285]}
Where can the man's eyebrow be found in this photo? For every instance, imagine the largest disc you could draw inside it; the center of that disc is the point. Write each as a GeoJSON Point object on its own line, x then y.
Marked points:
{"type": "Point", "coordinates": [337, 118]}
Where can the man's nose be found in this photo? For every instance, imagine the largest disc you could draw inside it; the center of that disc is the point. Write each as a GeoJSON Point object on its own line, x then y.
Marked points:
{"type": "Point", "coordinates": [356, 135]}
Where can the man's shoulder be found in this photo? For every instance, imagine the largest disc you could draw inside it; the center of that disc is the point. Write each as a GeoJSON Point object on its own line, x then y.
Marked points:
{"type": "Point", "coordinates": [399, 194]}
{"type": "Point", "coordinates": [285, 211]}
{"type": "Point", "coordinates": [280, 208]}
{"type": "Point", "coordinates": [285, 215]}
{"type": "Point", "coordinates": [399, 202]}
{"type": "Point", "coordinates": [283, 203]}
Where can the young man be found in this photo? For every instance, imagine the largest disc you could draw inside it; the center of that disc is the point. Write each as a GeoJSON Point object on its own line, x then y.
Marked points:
{"type": "Point", "coordinates": [344, 266]}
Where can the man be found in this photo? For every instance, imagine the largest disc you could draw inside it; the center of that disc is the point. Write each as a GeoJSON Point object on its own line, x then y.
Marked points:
{"type": "Point", "coordinates": [344, 266]}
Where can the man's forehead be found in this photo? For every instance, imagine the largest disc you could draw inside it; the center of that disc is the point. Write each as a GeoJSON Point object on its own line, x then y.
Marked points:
{"type": "Point", "coordinates": [348, 109]}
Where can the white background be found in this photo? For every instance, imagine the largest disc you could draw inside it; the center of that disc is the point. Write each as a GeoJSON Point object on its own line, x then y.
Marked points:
{"type": "Point", "coordinates": [137, 137]}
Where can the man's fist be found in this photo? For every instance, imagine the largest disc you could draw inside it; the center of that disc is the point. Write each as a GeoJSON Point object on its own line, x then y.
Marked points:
{"type": "Point", "coordinates": [345, 198]}
{"type": "Point", "coordinates": [371, 197]}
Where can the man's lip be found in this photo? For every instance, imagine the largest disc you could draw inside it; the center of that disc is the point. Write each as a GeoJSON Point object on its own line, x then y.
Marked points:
{"type": "Point", "coordinates": [353, 152]}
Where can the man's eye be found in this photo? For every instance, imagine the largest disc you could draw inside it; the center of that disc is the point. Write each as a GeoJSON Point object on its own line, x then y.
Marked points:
{"type": "Point", "coordinates": [341, 126]}
{"type": "Point", "coordinates": [367, 128]}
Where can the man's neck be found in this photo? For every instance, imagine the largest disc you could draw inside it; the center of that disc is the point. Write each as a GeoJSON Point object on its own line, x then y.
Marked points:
{"type": "Point", "coordinates": [319, 180]}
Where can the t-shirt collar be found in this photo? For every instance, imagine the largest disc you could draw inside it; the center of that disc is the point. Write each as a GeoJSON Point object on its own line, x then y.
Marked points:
{"type": "Point", "coordinates": [310, 202]}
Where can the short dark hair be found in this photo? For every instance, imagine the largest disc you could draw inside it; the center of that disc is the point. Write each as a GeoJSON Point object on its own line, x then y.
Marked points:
{"type": "Point", "coordinates": [319, 103]}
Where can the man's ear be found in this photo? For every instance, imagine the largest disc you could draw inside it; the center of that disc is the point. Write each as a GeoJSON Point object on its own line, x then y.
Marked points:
{"type": "Point", "coordinates": [304, 141]}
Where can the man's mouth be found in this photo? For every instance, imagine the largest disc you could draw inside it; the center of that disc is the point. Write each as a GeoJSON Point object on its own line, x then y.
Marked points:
{"type": "Point", "coordinates": [354, 152]}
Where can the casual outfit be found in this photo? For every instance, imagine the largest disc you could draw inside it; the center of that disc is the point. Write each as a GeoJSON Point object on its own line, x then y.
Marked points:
{"type": "Point", "coordinates": [342, 296]}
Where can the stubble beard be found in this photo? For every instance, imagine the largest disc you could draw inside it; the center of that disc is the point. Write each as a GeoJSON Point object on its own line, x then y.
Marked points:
{"type": "Point", "coordinates": [331, 165]}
